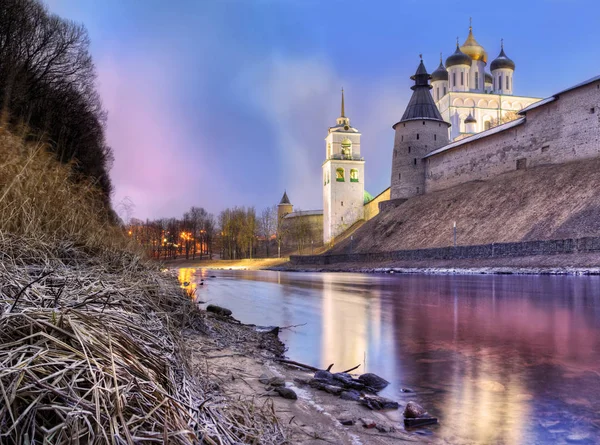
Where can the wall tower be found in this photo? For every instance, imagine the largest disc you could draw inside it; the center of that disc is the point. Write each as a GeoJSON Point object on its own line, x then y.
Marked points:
{"type": "Point", "coordinates": [343, 178]}
{"type": "Point", "coordinates": [284, 207]}
{"type": "Point", "coordinates": [420, 131]}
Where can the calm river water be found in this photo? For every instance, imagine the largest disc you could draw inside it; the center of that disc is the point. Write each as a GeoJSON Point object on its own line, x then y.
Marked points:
{"type": "Point", "coordinates": [500, 359]}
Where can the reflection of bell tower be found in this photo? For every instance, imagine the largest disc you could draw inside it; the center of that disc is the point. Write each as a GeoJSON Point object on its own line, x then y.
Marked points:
{"type": "Point", "coordinates": [343, 178]}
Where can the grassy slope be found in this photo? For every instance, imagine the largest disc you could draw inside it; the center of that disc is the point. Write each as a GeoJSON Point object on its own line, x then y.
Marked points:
{"type": "Point", "coordinates": [548, 202]}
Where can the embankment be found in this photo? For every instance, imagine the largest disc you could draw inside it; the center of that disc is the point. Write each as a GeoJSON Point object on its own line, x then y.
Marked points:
{"type": "Point", "coordinates": [554, 202]}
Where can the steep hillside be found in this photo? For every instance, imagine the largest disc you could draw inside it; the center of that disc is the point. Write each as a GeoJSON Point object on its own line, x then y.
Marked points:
{"type": "Point", "coordinates": [548, 202]}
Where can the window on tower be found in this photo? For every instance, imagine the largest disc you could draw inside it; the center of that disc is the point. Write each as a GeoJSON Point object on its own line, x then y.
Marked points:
{"type": "Point", "coordinates": [500, 82]}
{"type": "Point", "coordinates": [507, 83]}
{"type": "Point", "coordinates": [354, 175]}
{"type": "Point", "coordinates": [453, 79]}
{"type": "Point", "coordinates": [462, 78]}
{"type": "Point", "coordinates": [339, 175]}
{"type": "Point", "coordinates": [476, 81]}
{"type": "Point", "coordinates": [444, 91]}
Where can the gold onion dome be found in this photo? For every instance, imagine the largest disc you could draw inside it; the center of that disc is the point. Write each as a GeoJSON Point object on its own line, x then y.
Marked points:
{"type": "Point", "coordinates": [473, 49]}
{"type": "Point", "coordinates": [458, 58]}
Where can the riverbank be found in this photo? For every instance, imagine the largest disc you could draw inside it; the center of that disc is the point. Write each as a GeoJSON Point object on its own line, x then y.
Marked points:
{"type": "Point", "coordinates": [568, 264]}
{"type": "Point", "coordinates": [93, 346]}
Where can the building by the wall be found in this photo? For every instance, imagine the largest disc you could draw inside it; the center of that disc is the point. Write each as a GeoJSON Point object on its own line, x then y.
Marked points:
{"type": "Point", "coordinates": [468, 97]}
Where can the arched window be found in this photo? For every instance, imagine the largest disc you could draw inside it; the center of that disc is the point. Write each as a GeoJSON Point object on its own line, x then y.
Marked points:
{"type": "Point", "coordinates": [354, 175]}
{"type": "Point", "coordinates": [507, 83]}
{"type": "Point", "coordinates": [328, 177]}
{"type": "Point", "coordinates": [453, 79]}
{"type": "Point", "coordinates": [339, 175]}
{"type": "Point", "coordinates": [462, 78]}
{"type": "Point", "coordinates": [437, 92]}
{"type": "Point", "coordinates": [444, 91]}
{"type": "Point", "coordinates": [476, 80]}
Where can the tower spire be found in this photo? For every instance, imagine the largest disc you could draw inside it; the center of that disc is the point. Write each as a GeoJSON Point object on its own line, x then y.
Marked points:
{"type": "Point", "coordinates": [343, 111]}
{"type": "Point", "coordinates": [470, 24]}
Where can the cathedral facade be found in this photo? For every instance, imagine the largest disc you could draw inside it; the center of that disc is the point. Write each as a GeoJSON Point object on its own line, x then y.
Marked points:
{"type": "Point", "coordinates": [469, 97]}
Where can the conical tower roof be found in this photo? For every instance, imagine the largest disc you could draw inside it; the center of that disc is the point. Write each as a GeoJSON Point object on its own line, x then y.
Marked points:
{"type": "Point", "coordinates": [284, 199]}
{"type": "Point", "coordinates": [421, 105]}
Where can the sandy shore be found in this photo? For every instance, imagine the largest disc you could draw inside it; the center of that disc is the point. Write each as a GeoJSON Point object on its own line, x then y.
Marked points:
{"type": "Point", "coordinates": [236, 356]}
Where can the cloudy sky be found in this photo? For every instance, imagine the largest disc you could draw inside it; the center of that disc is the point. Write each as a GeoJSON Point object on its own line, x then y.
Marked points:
{"type": "Point", "coordinates": [222, 103]}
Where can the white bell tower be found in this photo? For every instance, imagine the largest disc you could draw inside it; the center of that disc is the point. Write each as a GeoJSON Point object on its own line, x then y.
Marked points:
{"type": "Point", "coordinates": [343, 178]}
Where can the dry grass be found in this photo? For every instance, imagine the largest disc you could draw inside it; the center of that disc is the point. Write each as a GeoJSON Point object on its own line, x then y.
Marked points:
{"type": "Point", "coordinates": [91, 348]}
{"type": "Point", "coordinates": [549, 202]}
{"type": "Point", "coordinates": [39, 199]}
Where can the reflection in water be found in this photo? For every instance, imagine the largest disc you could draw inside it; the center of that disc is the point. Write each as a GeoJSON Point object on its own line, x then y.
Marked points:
{"type": "Point", "coordinates": [500, 359]}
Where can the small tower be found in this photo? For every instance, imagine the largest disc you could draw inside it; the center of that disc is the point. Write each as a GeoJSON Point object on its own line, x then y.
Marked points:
{"type": "Point", "coordinates": [439, 81]}
{"type": "Point", "coordinates": [459, 69]}
{"type": "Point", "coordinates": [284, 207]}
{"type": "Point", "coordinates": [343, 178]}
{"type": "Point", "coordinates": [502, 71]}
{"type": "Point", "coordinates": [471, 123]}
{"type": "Point", "coordinates": [479, 60]}
{"type": "Point", "coordinates": [420, 131]}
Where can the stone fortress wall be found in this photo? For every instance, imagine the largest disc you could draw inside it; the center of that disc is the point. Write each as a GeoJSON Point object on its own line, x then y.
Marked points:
{"type": "Point", "coordinates": [562, 128]}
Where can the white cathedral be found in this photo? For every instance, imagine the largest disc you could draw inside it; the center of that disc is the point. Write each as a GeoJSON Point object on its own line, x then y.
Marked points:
{"type": "Point", "coordinates": [469, 98]}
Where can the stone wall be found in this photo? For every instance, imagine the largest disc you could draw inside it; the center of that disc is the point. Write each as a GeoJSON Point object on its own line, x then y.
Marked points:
{"type": "Point", "coordinates": [372, 207]}
{"type": "Point", "coordinates": [498, 250]}
{"type": "Point", "coordinates": [563, 130]}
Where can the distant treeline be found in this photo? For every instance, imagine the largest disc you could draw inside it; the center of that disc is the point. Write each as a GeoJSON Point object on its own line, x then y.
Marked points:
{"type": "Point", "coordinates": [237, 233]}
{"type": "Point", "coordinates": [47, 88]}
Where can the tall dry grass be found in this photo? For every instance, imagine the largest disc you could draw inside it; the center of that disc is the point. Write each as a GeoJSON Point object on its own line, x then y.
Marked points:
{"type": "Point", "coordinates": [39, 199]}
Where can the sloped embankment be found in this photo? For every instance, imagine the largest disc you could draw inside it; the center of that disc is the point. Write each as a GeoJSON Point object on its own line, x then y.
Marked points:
{"type": "Point", "coordinates": [547, 202]}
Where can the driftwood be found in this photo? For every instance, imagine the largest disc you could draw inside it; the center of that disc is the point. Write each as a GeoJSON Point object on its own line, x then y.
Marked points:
{"type": "Point", "coordinates": [311, 368]}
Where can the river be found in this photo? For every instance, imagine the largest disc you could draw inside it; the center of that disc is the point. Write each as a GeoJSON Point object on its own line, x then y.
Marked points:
{"type": "Point", "coordinates": [500, 359]}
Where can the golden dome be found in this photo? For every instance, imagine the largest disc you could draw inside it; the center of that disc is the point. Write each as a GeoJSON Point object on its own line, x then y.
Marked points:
{"type": "Point", "coordinates": [473, 49]}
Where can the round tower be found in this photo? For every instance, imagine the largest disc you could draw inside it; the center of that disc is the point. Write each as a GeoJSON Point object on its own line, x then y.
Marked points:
{"type": "Point", "coordinates": [439, 81]}
{"type": "Point", "coordinates": [284, 207]}
{"type": "Point", "coordinates": [459, 70]}
{"type": "Point", "coordinates": [420, 131]}
{"type": "Point", "coordinates": [503, 69]}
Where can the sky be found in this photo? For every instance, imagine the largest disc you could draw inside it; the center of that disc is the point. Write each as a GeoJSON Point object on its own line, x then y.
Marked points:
{"type": "Point", "coordinates": [227, 103]}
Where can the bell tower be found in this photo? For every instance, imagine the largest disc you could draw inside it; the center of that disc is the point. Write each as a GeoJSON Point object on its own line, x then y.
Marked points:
{"type": "Point", "coordinates": [343, 178]}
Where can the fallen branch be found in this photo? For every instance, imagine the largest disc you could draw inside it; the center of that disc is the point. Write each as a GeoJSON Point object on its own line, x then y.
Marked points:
{"type": "Point", "coordinates": [298, 364]}
{"type": "Point", "coordinates": [351, 369]}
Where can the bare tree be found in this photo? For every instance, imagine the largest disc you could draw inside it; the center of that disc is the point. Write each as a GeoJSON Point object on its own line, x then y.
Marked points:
{"type": "Point", "coordinates": [267, 225]}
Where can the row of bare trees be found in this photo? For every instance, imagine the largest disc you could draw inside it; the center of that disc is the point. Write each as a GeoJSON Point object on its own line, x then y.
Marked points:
{"type": "Point", "coordinates": [47, 87]}
{"type": "Point", "coordinates": [237, 233]}
{"type": "Point", "coordinates": [192, 236]}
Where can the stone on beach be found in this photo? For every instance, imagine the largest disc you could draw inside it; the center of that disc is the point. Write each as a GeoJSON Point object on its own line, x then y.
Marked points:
{"type": "Point", "coordinates": [218, 310]}
{"type": "Point", "coordinates": [351, 394]}
{"type": "Point", "coordinates": [374, 381]}
{"type": "Point", "coordinates": [286, 393]}
{"type": "Point", "coordinates": [379, 403]}
{"type": "Point", "coordinates": [413, 410]}
{"type": "Point", "coordinates": [276, 381]}
{"type": "Point", "coordinates": [264, 379]}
